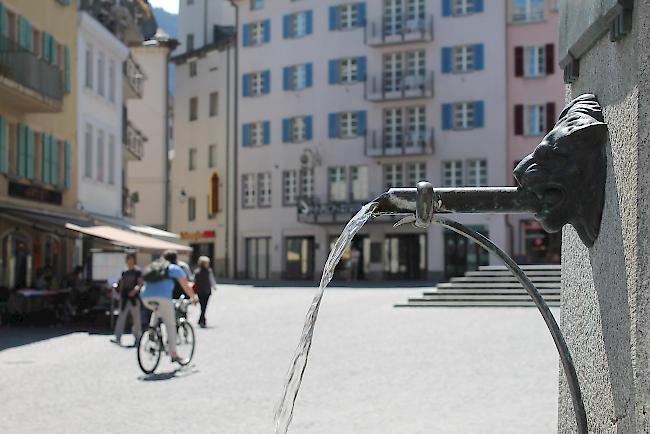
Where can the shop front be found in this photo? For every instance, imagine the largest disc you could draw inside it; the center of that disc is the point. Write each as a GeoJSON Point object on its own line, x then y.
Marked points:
{"type": "Point", "coordinates": [539, 246]}
{"type": "Point", "coordinates": [299, 258]}
{"type": "Point", "coordinates": [462, 255]}
{"type": "Point", "coordinates": [405, 256]}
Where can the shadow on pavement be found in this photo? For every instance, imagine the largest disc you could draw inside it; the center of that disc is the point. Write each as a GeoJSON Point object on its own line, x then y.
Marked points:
{"type": "Point", "coordinates": [16, 336]}
{"type": "Point", "coordinates": [176, 373]}
{"type": "Point", "coordinates": [359, 284]}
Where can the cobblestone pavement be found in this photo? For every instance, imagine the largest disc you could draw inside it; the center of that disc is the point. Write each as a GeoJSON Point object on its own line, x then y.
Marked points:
{"type": "Point", "coordinates": [373, 369]}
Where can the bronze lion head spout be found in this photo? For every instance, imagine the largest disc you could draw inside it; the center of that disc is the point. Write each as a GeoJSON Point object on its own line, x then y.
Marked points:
{"type": "Point", "coordinates": [567, 170]}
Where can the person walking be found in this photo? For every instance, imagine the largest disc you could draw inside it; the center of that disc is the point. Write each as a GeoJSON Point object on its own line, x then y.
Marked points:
{"type": "Point", "coordinates": [128, 288]}
{"type": "Point", "coordinates": [204, 283]}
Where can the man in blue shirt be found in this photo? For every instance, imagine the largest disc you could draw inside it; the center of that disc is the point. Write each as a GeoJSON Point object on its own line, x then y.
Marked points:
{"type": "Point", "coordinates": [157, 296]}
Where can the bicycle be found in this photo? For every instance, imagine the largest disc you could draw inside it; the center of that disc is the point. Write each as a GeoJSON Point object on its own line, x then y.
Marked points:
{"type": "Point", "coordinates": [153, 342]}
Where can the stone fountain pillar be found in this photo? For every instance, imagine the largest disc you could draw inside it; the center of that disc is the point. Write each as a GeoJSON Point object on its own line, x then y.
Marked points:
{"type": "Point", "coordinates": [605, 50]}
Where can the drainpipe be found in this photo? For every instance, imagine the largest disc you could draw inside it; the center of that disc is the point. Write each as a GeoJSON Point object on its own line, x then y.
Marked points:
{"type": "Point", "coordinates": [166, 159]}
{"type": "Point", "coordinates": [235, 201]}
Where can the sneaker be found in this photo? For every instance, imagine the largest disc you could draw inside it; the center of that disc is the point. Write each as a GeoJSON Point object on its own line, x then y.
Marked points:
{"type": "Point", "coordinates": [116, 341]}
{"type": "Point", "coordinates": [180, 361]}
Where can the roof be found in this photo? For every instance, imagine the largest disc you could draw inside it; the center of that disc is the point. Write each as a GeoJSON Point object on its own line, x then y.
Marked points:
{"type": "Point", "coordinates": [225, 37]}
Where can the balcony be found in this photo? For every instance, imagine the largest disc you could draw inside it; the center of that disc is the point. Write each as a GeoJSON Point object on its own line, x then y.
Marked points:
{"type": "Point", "coordinates": [385, 31]}
{"type": "Point", "coordinates": [312, 211]}
{"type": "Point", "coordinates": [416, 143]}
{"type": "Point", "coordinates": [133, 143]}
{"type": "Point", "coordinates": [128, 202]}
{"type": "Point", "coordinates": [380, 88]}
{"type": "Point", "coordinates": [133, 82]}
{"type": "Point", "coordinates": [28, 83]}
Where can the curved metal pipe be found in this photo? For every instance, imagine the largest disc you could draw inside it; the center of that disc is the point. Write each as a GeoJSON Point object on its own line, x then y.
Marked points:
{"type": "Point", "coordinates": [547, 315]}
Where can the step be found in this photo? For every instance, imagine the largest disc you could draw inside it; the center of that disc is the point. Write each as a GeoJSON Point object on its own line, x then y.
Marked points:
{"type": "Point", "coordinates": [548, 267]}
{"type": "Point", "coordinates": [529, 273]}
{"type": "Point", "coordinates": [544, 292]}
{"type": "Point", "coordinates": [480, 297]}
{"type": "Point", "coordinates": [496, 285]}
{"type": "Point", "coordinates": [501, 279]}
{"type": "Point", "coordinates": [474, 304]}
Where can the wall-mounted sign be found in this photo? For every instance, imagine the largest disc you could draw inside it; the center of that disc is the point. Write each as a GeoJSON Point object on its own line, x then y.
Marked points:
{"type": "Point", "coordinates": [35, 193]}
{"type": "Point", "coordinates": [198, 235]}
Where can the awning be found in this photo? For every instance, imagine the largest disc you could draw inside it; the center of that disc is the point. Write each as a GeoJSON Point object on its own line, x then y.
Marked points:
{"type": "Point", "coordinates": [28, 215]}
{"type": "Point", "coordinates": [125, 223]}
{"type": "Point", "coordinates": [128, 239]}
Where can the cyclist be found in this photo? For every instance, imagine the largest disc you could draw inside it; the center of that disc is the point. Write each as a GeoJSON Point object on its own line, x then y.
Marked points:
{"type": "Point", "coordinates": [159, 280]}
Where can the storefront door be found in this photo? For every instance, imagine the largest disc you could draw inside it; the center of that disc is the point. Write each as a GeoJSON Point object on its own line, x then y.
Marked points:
{"type": "Point", "coordinates": [257, 258]}
{"type": "Point", "coordinates": [462, 255]}
{"type": "Point", "coordinates": [405, 256]}
{"type": "Point", "coordinates": [202, 249]}
{"type": "Point", "coordinates": [20, 248]}
{"type": "Point", "coordinates": [299, 260]}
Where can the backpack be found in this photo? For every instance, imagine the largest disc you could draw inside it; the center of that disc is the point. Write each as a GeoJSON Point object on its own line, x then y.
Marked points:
{"type": "Point", "coordinates": [156, 271]}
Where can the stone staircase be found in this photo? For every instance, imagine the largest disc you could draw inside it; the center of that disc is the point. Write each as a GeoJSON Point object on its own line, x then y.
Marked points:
{"type": "Point", "coordinates": [492, 285]}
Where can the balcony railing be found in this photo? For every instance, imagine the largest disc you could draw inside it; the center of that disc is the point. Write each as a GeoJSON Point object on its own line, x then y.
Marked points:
{"type": "Point", "coordinates": [134, 142]}
{"type": "Point", "coordinates": [388, 31]}
{"type": "Point", "coordinates": [383, 88]}
{"type": "Point", "coordinates": [312, 210]}
{"type": "Point", "coordinates": [381, 144]}
{"type": "Point", "coordinates": [133, 79]}
{"type": "Point", "coordinates": [128, 203]}
{"type": "Point", "coordinates": [28, 70]}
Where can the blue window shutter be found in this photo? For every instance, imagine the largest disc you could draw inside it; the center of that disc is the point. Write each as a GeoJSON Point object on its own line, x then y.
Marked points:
{"type": "Point", "coordinates": [361, 69]}
{"type": "Point", "coordinates": [3, 20]}
{"type": "Point", "coordinates": [361, 123]}
{"type": "Point", "coordinates": [67, 177]}
{"type": "Point", "coordinates": [361, 14]}
{"type": "Point", "coordinates": [309, 127]}
{"type": "Point", "coordinates": [246, 134]}
{"type": "Point", "coordinates": [66, 69]}
{"type": "Point", "coordinates": [286, 26]}
{"type": "Point", "coordinates": [54, 160]}
{"type": "Point", "coordinates": [309, 70]}
{"type": "Point", "coordinates": [267, 30]}
{"type": "Point", "coordinates": [446, 8]}
{"type": "Point", "coordinates": [447, 116]}
{"type": "Point", "coordinates": [52, 48]}
{"type": "Point", "coordinates": [286, 78]}
{"type": "Point", "coordinates": [334, 71]}
{"type": "Point", "coordinates": [310, 22]}
{"type": "Point", "coordinates": [266, 81]}
{"type": "Point", "coordinates": [20, 160]}
{"type": "Point", "coordinates": [246, 85]}
{"type": "Point", "coordinates": [478, 57]}
{"type": "Point", "coordinates": [267, 133]}
{"type": "Point", "coordinates": [479, 115]}
{"type": "Point", "coordinates": [286, 126]}
{"type": "Point", "coordinates": [478, 5]}
{"type": "Point", "coordinates": [334, 17]}
{"type": "Point", "coordinates": [30, 153]}
{"type": "Point", "coordinates": [44, 46]}
{"type": "Point", "coordinates": [3, 138]}
{"type": "Point", "coordinates": [45, 158]}
{"type": "Point", "coordinates": [246, 35]}
{"type": "Point", "coordinates": [446, 60]}
{"type": "Point", "coordinates": [333, 121]}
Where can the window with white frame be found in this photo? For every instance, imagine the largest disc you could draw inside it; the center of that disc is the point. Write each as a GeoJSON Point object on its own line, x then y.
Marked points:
{"type": "Point", "coordinates": [393, 175]}
{"type": "Point", "coordinates": [416, 172]}
{"type": "Point", "coordinates": [463, 115]}
{"type": "Point", "coordinates": [111, 81]}
{"type": "Point", "coordinates": [452, 173]}
{"type": "Point", "coordinates": [359, 183]}
{"type": "Point", "coordinates": [257, 133]}
{"type": "Point", "coordinates": [192, 68]}
{"type": "Point", "coordinates": [338, 184]}
{"type": "Point", "coordinates": [527, 10]}
{"type": "Point", "coordinates": [462, 7]}
{"type": "Point", "coordinates": [535, 120]}
{"type": "Point", "coordinates": [88, 150]}
{"type": "Point", "coordinates": [257, 4]}
{"type": "Point", "coordinates": [392, 72]}
{"type": "Point", "coordinates": [393, 128]}
{"type": "Point", "coordinates": [463, 58]}
{"type": "Point", "coordinates": [348, 122]}
{"type": "Point", "coordinates": [100, 73]}
{"type": "Point", "coordinates": [249, 190]}
{"type": "Point", "coordinates": [477, 173]}
{"type": "Point", "coordinates": [298, 24]}
{"type": "Point", "coordinates": [100, 155]}
{"type": "Point", "coordinates": [307, 182]}
{"type": "Point", "coordinates": [298, 129]}
{"type": "Point", "coordinates": [417, 129]}
{"type": "Point", "coordinates": [393, 17]}
{"type": "Point", "coordinates": [191, 159]}
{"type": "Point", "coordinates": [348, 70]}
{"type": "Point", "coordinates": [257, 83]}
{"type": "Point", "coordinates": [415, 69]}
{"type": "Point", "coordinates": [264, 189]}
{"type": "Point", "coordinates": [111, 159]}
{"type": "Point", "coordinates": [347, 15]}
{"type": "Point", "coordinates": [535, 61]}
{"type": "Point", "coordinates": [298, 76]}
{"type": "Point", "coordinates": [89, 66]}
{"type": "Point", "coordinates": [257, 33]}
{"type": "Point", "coordinates": [212, 156]}
{"type": "Point", "coordinates": [289, 187]}
{"type": "Point", "coordinates": [214, 104]}
{"type": "Point", "coordinates": [415, 14]}
{"type": "Point", "coordinates": [191, 209]}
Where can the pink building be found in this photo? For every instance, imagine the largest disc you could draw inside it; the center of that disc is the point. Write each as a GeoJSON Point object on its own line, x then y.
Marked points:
{"type": "Point", "coordinates": [535, 97]}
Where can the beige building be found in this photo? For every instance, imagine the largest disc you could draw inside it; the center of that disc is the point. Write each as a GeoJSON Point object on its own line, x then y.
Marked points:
{"type": "Point", "coordinates": [38, 145]}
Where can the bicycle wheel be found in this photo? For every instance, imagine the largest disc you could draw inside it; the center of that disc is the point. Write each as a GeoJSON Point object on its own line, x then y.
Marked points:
{"type": "Point", "coordinates": [149, 350]}
{"type": "Point", "coordinates": [185, 340]}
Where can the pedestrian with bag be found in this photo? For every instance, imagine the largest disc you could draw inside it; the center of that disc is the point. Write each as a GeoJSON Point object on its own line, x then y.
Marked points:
{"type": "Point", "coordinates": [205, 283]}
{"type": "Point", "coordinates": [129, 288]}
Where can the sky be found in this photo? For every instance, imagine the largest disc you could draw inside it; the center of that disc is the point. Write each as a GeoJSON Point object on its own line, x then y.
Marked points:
{"type": "Point", "coordinates": [168, 5]}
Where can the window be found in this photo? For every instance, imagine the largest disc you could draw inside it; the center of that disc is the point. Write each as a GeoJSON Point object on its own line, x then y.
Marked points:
{"type": "Point", "coordinates": [348, 71]}
{"type": "Point", "coordinates": [527, 10]}
{"type": "Point", "coordinates": [89, 66]}
{"type": "Point", "coordinates": [191, 159]}
{"type": "Point", "coordinates": [298, 77]}
{"type": "Point", "coordinates": [194, 108]}
{"type": "Point", "coordinates": [190, 42]}
{"type": "Point", "coordinates": [348, 122]}
{"type": "Point", "coordinates": [214, 104]}
{"type": "Point", "coordinates": [535, 120]}
{"type": "Point", "coordinates": [289, 187]}
{"type": "Point", "coordinates": [111, 159]}
{"type": "Point", "coordinates": [88, 172]}
{"type": "Point", "coordinates": [264, 188]}
{"type": "Point", "coordinates": [307, 182]}
{"type": "Point", "coordinates": [257, 33]}
{"type": "Point", "coordinates": [477, 173]}
{"type": "Point", "coordinates": [348, 15]}
{"type": "Point", "coordinates": [257, 133]}
{"type": "Point", "coordinates": [359, 180]}
{"type": "Point", "coordinates": [298, 24]}
{"type": "Point", "coordinates": [535, 61]}
{"type": "Point", "coordinates": [452, 173]}
{"type": "Point", "coordinates": [100, 73]}
{"type": "Point", "coordinates": [192, 68]}
{"type": "Point", "coordinates": [249, 191]}
{"type": "Point", "coordinates": [462, 7]}
{"type": "Point", "coordinates": [393, 17]}
{"type": "Point", "coordinates": [463, 58]}
{"type": "Point", "coordinates": [191, 209]}
{"type": "Point", "coordinates": [393, 176]}
{"type": "Point", "coordinates": [463, 115]}
{"type": "Point", "coordinates": [298, 130]}
{"type": "Point", "coordinates": [257, 83]}
{"type": "Point", "coordinates": [257, 4]}
{"type": "Point", "coordinates": [416, 126]}
{"type": "Point", "coordinates": [416, 172]}
{"type": "Point", "coordinates": [111, 81]}
{"type": "Point", "coordinates": [212, 156]}
{"type": "Point", "coordinates": [337, 184]}
{"type": "Point", "coordinates": [100, 155]}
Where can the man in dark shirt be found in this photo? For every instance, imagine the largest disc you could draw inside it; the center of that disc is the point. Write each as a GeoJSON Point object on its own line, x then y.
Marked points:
{"type": "Point", "coordinates": [129, 287]}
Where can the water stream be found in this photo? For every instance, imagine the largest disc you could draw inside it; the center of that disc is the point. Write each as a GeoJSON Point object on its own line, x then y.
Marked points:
{"type": "Point", "coordinates": [284, 412]}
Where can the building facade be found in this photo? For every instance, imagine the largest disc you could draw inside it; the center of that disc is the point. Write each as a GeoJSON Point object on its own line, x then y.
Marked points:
{"type": "Point", "coordinates": [38, 143]}
{"type": "Point", "coordinates": [339, 101]}
{"type": "Point", "coordinates": [535, 98]}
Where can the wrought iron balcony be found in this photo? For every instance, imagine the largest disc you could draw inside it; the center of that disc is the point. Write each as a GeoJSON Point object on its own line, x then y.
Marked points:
{"type": "Point", "coordinates": [128, 202]}
{"type": "Point", "coordinates": [312, 210]}
{"type": "Point", "coordinates": [381, 144]}
{"type": "Point", "coordinates": [27, 82]}
{"type": "Point", "coordinates": [388, 31]}
{"type": "Point", "coordinates": [133, 143]}
{"type": "Point", "coordinates": [133, 79]}
{"type": "Point", "coordinates": [384, 88]}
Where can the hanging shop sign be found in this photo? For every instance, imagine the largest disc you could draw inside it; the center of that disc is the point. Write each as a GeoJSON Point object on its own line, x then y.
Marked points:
{"type": "Point", "coordinates": [197, 235]}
